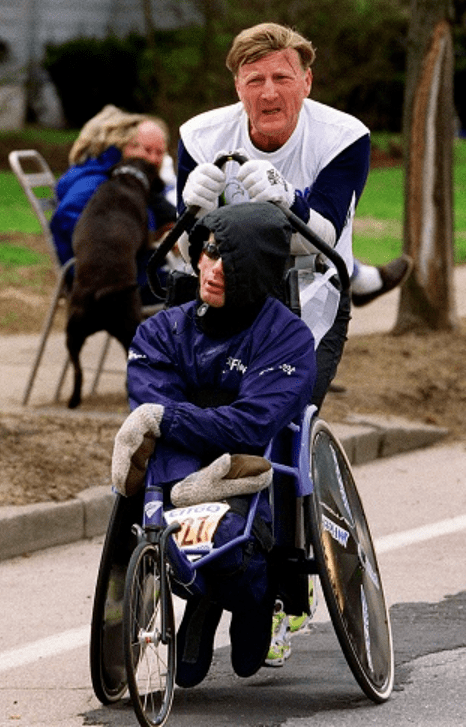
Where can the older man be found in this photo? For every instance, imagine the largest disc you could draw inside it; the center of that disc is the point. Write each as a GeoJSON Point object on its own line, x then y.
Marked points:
{"type": "Point", "coordinates": [306, 156]}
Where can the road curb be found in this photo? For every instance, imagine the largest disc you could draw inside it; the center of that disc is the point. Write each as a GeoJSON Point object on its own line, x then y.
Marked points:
{"type": "Point", "coordinates": [24, 529]}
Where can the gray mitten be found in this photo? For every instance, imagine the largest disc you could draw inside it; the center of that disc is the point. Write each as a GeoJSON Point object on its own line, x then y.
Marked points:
{"type": "Point", "coordinates": [227, 476]}
{"type": "Point", "coordinates": [133, 446]}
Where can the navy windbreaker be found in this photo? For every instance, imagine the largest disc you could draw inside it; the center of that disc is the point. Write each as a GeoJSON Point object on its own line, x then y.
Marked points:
{"type": "Point", "coordinates": [264, 375]}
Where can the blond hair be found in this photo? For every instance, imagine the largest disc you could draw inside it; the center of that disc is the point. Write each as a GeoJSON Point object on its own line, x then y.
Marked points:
{"type": "Point", "coordinates": [256, 42]}
{"type": "Point", "coordinates": [111, 127]}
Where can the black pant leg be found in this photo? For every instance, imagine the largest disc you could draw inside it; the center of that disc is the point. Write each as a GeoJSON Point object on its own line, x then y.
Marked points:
{"type": "Point", "coordinates": [330, 349]}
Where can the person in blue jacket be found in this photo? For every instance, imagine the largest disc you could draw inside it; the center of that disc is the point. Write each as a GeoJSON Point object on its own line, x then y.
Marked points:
{"type": "Point", "coordinates": [107, 138]}
{"type": "Point", "coordinates": [219, 375]}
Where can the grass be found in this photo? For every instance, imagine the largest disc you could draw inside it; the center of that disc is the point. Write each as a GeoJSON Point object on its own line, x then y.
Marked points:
{"type": "Point", "coordinates": [16, 215]}
{"type": "Point", "coordinates": [17, 256]}
{"type": "Point", "coordinates": [383, 200]}
{"type": "Point", "coordinates": [379, 217]}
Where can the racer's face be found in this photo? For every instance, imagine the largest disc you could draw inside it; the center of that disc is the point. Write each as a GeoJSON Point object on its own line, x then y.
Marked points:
{"type": "Point", "coordinates": [148, 143]}
{"type": "Point", "coordinates": [272, 91]}
{"type": "Point", "coordinates": [212, 284]}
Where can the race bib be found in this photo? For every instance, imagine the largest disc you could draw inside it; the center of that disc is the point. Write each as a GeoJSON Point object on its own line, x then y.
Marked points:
{"type": "Point", "coordinates": [198, 524]}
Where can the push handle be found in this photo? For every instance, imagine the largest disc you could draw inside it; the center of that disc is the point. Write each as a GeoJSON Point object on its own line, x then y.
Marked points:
{"type": "Point", "coordinates": [185, 221]}
{"type": "Point", "coordinates": [188, 217]}
{"type": "Point", "coordinates": [301, 227]}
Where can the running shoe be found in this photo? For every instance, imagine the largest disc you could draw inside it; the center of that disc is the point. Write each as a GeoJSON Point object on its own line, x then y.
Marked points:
{"type": "Point", "coordinates": [278, 653]}
{"type": "Point", "coordinates": [280, 647]}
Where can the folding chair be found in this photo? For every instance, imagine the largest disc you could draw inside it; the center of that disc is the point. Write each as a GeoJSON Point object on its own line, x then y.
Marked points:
{"type": "Point", "coordinates": [39, 187]}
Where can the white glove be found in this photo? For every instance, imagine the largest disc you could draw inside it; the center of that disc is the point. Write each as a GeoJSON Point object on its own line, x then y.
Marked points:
{"type": "Point", "coordinates": [133, 446]}
{"type": "Point", "coordinates": [204, 185]}
{"type": "Point", "coordinates": [264, 183]}
{"type": "Point", "coordinates": [227, 476]}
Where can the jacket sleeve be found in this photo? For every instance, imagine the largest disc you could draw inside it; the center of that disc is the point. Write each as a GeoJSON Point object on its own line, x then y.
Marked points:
{"type": "Point", "coordinates": [274, 389]}
{"type": "Point", "coordinates": [331, 193]}
{"type": "Point", "coordinates": [185, 164]}
{"type": "Point", "coordinates": [69, 210]}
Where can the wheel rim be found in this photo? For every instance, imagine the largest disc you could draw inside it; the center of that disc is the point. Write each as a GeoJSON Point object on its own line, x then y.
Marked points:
{"type": "Point", "coordinates": [353, 590]}
{"type": "Point", "coordinates": [150, 663]}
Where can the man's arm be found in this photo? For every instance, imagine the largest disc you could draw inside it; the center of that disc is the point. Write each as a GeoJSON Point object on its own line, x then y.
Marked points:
{"type": "Point", "coordinates": [331, 193]}
{"type": "Point", "coordinates": [325, 204]}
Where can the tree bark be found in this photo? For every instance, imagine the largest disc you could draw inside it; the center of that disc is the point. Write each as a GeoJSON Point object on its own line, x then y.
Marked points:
{"type": "Point", "coordinates": [427, 298]}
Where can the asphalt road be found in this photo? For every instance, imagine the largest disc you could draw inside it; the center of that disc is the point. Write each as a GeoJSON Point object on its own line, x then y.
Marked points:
{"type": "Point", "coordinates": [415, 505]}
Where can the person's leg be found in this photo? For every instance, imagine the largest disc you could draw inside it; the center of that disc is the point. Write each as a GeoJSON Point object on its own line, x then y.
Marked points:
{"type": "Point", "coordinates": [330, 349]}
{"type": "Point", "coordinates": [368, 282]}
{"type": "Point", "coordinates": [195, 640]}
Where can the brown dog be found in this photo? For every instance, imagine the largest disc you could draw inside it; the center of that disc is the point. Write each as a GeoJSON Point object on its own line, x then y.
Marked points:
{"type": "Point", "coordinates": [112, 229]}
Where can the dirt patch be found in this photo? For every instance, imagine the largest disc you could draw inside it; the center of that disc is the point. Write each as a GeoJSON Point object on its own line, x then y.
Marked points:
{"type": "Point", "coordinates": [52, 458]}
{"type": "Point", "coordinates": [45, 457]}
{"type": "Point", "coordinates": [421, 377]}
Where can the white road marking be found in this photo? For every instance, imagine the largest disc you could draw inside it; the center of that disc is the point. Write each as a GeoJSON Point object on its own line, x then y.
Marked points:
{"type": "Point", "coordinates": [79, 637]}
{"type": "Point", "coordinates": [46, 647]}
{"type": "Point", "coordinates": [417, 535]}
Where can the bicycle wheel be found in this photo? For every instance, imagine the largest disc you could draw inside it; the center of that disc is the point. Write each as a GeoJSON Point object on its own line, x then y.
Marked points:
{"type": "Point", "coordinates": [337, 529]}
{"type": "Point", "coordinates": [150, 662]}
{"type": "Point", "coordinates": [106, 648]}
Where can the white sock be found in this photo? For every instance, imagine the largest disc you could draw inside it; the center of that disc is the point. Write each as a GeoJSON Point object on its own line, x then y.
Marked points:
{"type": "Point", "coordinates": [366, 278]}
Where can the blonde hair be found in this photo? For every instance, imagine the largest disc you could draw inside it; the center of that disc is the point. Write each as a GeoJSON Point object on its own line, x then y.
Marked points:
{"type": "Point", "coordinates": [254, 43]}
{"type": "Point", "coordinates": [111, 127]}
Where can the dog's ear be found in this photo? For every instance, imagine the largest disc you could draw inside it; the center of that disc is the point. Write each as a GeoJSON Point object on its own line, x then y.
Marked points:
{"type": "Point", "coordinates": [146, 167]}
{"type": "Point", "coordinates": [142, 164]}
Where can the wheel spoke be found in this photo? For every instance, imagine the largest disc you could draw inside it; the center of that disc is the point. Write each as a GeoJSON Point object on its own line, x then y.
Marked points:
{"type": "Point", "coordinates": [150, 662]}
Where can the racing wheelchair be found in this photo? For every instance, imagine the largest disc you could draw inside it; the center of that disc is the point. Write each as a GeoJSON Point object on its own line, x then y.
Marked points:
{"type": "Point", "coordinates": [319, 527]}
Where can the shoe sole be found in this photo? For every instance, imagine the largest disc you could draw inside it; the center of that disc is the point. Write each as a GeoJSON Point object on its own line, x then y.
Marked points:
{"type": "Point", "coordinates": [278, 661]}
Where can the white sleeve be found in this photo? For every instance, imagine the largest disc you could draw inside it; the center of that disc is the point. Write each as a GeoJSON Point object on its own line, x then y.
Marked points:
{"type": "Point", "coordinates": [321, 227]}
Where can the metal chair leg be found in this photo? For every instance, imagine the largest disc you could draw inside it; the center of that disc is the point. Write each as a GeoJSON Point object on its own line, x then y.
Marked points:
{"type": "Point", "coordinates": [61, 380]}
{"type": "Point", "coordinates": [102, 359]}
{"type": "Point", "coordinates": [46, 330]}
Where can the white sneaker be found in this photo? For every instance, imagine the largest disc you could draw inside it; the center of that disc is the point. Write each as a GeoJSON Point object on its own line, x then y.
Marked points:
{"type": "Point", "coordinates": [280, 647]}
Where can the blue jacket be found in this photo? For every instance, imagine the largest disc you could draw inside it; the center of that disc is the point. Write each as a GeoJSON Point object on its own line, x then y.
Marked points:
{"type": "Point", "coordinates": [74, 190]}
{"type": "Point", "coordinates": [264, 374]}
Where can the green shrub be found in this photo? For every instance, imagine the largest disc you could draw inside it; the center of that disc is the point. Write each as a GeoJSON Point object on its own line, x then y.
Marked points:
{"type": "Point", "coordinates": [90, 73]}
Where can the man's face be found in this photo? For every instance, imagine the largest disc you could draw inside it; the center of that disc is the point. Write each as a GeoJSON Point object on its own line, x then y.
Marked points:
{"type": "Point", "coordinates": [212, 285]}
{"type": "Point", "coordinates": [272, 91]}
{"type": "Point", "coordinates": [148, 143]}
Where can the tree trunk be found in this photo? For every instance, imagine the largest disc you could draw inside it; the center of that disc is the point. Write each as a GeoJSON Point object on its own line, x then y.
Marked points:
{"type": "Point", "coordinates": [427, 298]}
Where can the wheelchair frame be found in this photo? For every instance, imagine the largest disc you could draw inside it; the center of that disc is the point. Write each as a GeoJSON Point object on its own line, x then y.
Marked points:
{"type": "Point", "coordinates": [336, 545]}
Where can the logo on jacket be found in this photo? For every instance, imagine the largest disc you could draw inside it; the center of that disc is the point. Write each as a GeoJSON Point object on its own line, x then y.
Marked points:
{"type": "Point", "coordinates": [133, 355]}
{"type": "Point", "coordinates": [233, 363]}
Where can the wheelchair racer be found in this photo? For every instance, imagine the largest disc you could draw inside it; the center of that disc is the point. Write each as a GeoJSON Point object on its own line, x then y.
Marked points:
{"type": "Point", "coordinates": [222, 374]}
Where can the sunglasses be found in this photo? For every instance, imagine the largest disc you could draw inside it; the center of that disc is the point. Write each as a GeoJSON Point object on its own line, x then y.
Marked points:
{"type": "Point", "coordinates": [211, 250]}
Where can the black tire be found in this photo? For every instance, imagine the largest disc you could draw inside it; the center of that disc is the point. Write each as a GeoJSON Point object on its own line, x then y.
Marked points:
{"type": "Point", "coordinates": [337, 530]}
{"type": "Point", "coordinates": [107, 664]}
{"type": "Point", "coordinates": [150, 664]}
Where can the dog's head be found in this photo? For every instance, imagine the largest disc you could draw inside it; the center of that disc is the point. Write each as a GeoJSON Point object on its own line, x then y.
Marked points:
{"type": "Point", "coordinates": [135, 168]}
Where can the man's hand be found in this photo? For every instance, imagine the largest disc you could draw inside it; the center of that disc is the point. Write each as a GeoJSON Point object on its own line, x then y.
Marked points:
{"type": "Point", "coordinates": [204, 185]}
{"type": "Point", "coordinates": [227, 476]}
{"type": "Point", "coordinates": [134, 444]}
{"type": "Point", "coordinates": [264, 183]}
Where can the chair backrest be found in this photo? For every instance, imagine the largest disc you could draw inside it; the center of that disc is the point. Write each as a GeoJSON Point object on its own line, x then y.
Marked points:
{"type": "Point", "coordinates": [38, 182]}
